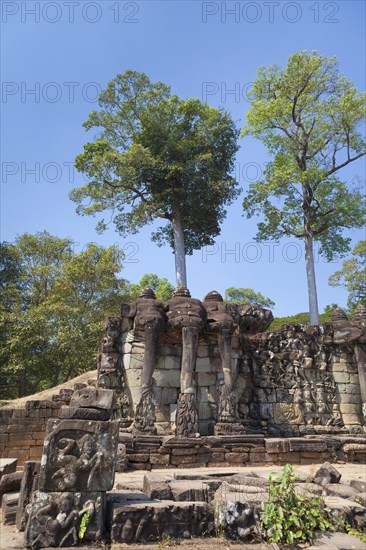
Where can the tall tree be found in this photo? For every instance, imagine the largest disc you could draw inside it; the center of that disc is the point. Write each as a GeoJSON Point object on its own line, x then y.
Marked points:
{"type": "Point", "coordinates": [158, 156]}
{"type": "Point", "coordinates": [308, 116]}
{"type": "Point", "coordinates": [352, 276]}
{"type": "Point", "coordinates": [247, 296]}
{"type": "Point", "coordinates": [55, 302]}
{"type": "Point", "coordinates": [161, 287]}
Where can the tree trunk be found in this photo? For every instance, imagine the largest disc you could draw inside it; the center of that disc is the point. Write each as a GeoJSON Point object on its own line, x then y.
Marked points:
{"type": "Point", "coordinates": [179, 249]}
{"type": "Point", "coordinates": [310, 273]}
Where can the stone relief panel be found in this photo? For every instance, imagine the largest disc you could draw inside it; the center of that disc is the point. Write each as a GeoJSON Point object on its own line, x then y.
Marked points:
{"type": "Point", "coordinates": [79, 455]}
{"type": "Point", "coordinates": [55, 519]}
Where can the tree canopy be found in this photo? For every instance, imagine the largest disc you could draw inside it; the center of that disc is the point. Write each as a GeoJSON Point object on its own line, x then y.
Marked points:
{"type": "Point", "coordinates": [158, 156]}
{"type": "Point", "coordinates": [352, 276]}
{"type": "Point", "coordinates": [162, 288]}
{"type": "Point", "coordinates": [247, 296]}
{"type": "Point", "coordinates": [55, 302]}
{"type": "Point", "coordinates": [309, 117]}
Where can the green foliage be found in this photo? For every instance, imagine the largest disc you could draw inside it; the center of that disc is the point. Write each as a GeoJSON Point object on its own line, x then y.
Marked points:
{"type": "Point", "coordinates": [161, 286]}
{"type": "Point", "coordinates": [247, 296]}
{"type": "Point", "coordinates": [302, 318]}
{"type": "Point", "coordinates": [157, 154]}
{"type": "Point", "coordinates": [84, 524]}
{"type": "Point", "coordinates": [352, 276]}
{"type": "Point", "coordinates": [54, 305]}
{"type": "Point", "coordinates": [289, 517]}
{"type": "Point", "coordinates": [309, 117]}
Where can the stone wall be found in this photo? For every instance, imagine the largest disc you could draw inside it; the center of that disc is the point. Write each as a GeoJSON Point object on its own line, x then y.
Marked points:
{"type": "Point", "coordinates": [23, 421]}
{"type": "Point", "coordinates": [295, 381]}
{"type": "Point", "coordinates": [154, 452]}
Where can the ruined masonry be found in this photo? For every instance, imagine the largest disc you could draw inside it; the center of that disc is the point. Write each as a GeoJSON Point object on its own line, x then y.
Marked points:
{"type": "Point", "coordinates": [186, 384]}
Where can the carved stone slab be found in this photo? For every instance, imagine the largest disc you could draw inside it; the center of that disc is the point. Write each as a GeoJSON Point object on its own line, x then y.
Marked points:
{"type": "Point", "coordinates": [55, 519]}
{"type": "Point", "coordinates": [79, 455]}
{"type": "Point", "coordinates": [143, 522]}
{"type": "Point", "coordinates": [95, 398]}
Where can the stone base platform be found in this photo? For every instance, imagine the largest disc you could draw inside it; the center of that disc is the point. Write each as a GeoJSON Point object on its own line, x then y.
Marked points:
{"type": "Point", "coordinates": [156, 452]}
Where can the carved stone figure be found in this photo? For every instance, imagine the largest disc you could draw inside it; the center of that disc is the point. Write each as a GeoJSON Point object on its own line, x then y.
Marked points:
{"type": "Point", "coordinates": [149, 319]}
{"type": "Point", "coordinates": [55, 518]}
{"type": "Point", "coordinates": [253, 318]}
{"type": "Point", "coordinates": [186, 316]}
{"type": "Point", "coordinates": [223, 320]}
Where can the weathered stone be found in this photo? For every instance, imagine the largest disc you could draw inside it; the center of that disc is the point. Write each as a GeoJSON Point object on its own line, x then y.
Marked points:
{"type": "Point", "coordinates": [55, 518]}
{"type": "Point", "coordinates": [161, 459]}
{"type": "Point", "coordinates": [246, 480]}
{"type": "Point", "coordinates": [10, 483]}
{"type": "Point", "coordinates": [189, 491]}
{"type": "Point", "coordinates": [156, 486]}
{"type": "Point", "coordinates": [109, 360]}
{"type": "Point", "coordinates": [169, 395]}
{"type": "Point", "coordinates": [172, 363]}
{"type": "Point", "coordinates": [9, 508]}
{"type": "Point", "coordinates": [342, 490]}
{"type": "Point", "coordinates": [359, 485]}
{"type": "Point", "coordinates": [83, 413]}
{"type": "Point", "coordinates": [203, 365]}
{"type": "Point", "coordinates": [325, 474]}
{"type": "Point", "coordinates": [142, 522]}
{"type": "Point", "coordinates": [185, 459]}
{"type": "Point", "coordinates": [236, 512]}
{"type": "Point", "coordinates": [206, 379]}
{"type": "Point", "coordinates": [28, 485]}
{"type": "Point", "coordinates": [303, 444]}
{"type": "Point", "coordinates": [79, 456]}
{"type": "Point", "coordinates": [167, 378]}
{"type": "Point", "coordinates": [7, 465]}
{"type": "Point", "coordinates": [290, 413]}
{"type": "Point", "coordinates": [94, 398]}
{"type": "Point", "coordinates": [277, 445]}
{"type": "Point", "coordinates": [237, 458]}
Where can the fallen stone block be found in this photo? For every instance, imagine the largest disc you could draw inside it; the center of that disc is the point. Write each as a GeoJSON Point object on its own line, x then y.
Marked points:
{"type": "Point", "coordinates": [358, 485]}
{"type": "Point", "coordinates": [7, 466]}
{"type": "Point", "coordinates": [237, 512]}
{"type": "Point", "coordinates": [325, 474]}
{"type": "Point", "coordinates": [342, 490]}
{"type": "Point", "coordinates": [156, 486]}
{"type": "Point", "coordinates": [10, 483]}
{"type": "Point", "coordinates": [197, 491]}
{"type": "Point", "coordinates": [347, 510]}
{"type": "Point", "coordinates": [9, 506]}
{"type": "Point", "coordinates": [145, 522]}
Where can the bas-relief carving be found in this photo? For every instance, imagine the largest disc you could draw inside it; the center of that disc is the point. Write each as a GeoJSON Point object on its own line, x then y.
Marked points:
{"type": "Point", "coordinates": [149, 321]}
{"type": "Point", "coordinates": [79, 456]}
{"type": "Point", "coordinates": [289, 367]}
{"type": "Point", "coordinates": [55, 519]}
{"type": "Point", "coordinates": [291, 370]}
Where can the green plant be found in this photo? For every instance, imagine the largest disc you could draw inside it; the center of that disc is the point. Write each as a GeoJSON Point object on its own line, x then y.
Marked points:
{"type": "Point", "coordinates": [165, 541]}
{"type": "Point", "coordinates": [356, 532]}
{"type": "Point", "coordinates": [83, 524]}
{"type": "Point", "coordinates": [288, 517]}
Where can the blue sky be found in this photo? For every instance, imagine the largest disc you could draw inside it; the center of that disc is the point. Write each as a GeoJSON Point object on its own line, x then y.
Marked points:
{"type": "Point", "coordinates": [57, 55]}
